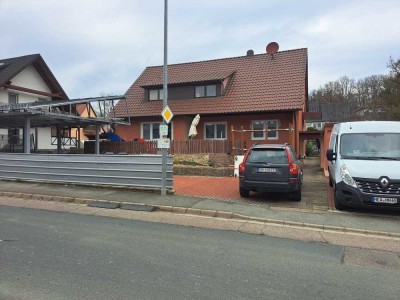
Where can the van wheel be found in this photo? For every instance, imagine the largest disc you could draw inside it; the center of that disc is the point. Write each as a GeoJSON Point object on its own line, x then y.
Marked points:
{"type": "Point", "coordinates": [296, 196]}
{"type": "Point", "coordinates": [338, 205]}
{"type": "Point", "coordinates": [243, 192]}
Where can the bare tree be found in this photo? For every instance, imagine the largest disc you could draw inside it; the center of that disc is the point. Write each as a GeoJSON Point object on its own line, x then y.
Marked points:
{"type": "Point", "coordinates": [391, 93]}
{"type": "Point", "coordinates": [375, 97]}
{"type": "Point", "coordinates": [104, 108]}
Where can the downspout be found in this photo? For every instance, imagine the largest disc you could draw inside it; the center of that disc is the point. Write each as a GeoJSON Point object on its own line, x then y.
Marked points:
{"type": "Point", "coordinates": [295, 132]}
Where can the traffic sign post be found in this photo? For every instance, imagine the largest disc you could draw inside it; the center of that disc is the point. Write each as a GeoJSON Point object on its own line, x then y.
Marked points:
{"type": "Point", "coordinates": [167, 114]}
{"type": "Point", "coordinates": [165, 104]}
{"type": "Point", "coordinates": [163, 131]}
{"type": "Point", "coordinates": [163, 143]}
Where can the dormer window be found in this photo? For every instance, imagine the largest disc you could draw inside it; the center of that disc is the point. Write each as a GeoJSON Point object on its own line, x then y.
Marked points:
{"type": "Point", "coordinates": [205, 91]}
{"type": "Point", "coordinates": [156, 94]}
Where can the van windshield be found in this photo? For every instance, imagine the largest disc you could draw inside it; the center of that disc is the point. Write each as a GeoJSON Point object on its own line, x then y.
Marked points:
{"type": "Point", "coordinates": [370, 146]}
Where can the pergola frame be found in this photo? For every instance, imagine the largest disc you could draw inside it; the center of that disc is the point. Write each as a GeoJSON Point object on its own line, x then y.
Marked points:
{"type": "Point", "coordinates": [59, 114]}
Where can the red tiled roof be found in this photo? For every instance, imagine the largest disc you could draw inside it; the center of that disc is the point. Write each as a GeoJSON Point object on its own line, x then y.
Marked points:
{"type": "Point", "coordinates": [187, 76]}
{"type": "Point", "coordinates": [258, 83]}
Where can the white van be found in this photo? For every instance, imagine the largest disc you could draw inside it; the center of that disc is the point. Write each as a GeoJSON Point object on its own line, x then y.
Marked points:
{"type": "Point", "coordinates": [364, 164]}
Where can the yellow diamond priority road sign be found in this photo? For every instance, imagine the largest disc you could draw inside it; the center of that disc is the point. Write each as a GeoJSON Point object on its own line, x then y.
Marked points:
{"type": "Point", "coordinates": [167, 114]}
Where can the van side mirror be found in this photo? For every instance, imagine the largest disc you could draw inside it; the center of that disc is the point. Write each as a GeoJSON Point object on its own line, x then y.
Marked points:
{"type": "Point", "coordinates": [330, 155]}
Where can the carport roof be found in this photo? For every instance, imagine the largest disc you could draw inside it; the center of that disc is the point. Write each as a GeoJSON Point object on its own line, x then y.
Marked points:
{"type": "Point", "coordinates": [46, 114]}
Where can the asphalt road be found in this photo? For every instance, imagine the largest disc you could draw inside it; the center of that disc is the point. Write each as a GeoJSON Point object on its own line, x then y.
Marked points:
{"type": "Point", "coordinates": [51, 255]}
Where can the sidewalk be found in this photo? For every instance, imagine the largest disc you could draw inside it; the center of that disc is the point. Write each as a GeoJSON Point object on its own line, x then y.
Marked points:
{"type": "Point", "coordinates": [380, 222]}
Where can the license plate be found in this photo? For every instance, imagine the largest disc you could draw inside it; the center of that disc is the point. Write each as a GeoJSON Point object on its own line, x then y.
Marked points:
{"type": "Point", "coordinates": [384, 200]}
{"type": "Point", "coordinates": [266, 170]}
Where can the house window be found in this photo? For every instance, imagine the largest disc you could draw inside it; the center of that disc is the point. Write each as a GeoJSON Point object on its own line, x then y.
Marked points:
{"type": "Point", "coordinates": [13, 133]}
{"type": "Point", "coordinates": [12, 98]}
{"type": "Point", "coordinates": [151, 131]}
{"type": "Point", "coordinates": [215, 131]}
{"type": "Point", "coordinates": [156, 94]}
{"type": "Point", "coordinates": [260, 125]}
{"type": "Point", "coordinates": [205, 91]}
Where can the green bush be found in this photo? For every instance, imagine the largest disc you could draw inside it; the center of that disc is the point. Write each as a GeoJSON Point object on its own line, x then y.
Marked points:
{"type": "Point", "coordinates": [309, 148]}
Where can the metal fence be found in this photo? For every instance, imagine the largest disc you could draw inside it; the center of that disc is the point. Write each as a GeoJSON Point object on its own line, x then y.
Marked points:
{"type": "Point", "coordinates": [140, 171]}
{"type": "Point", "coordinates": [12, 143]}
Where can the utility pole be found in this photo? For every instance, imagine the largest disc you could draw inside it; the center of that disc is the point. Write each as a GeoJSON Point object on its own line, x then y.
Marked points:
{"type": "Point", "coordinates": [165, 91]}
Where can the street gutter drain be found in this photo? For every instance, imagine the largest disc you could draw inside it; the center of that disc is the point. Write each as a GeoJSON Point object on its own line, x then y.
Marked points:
{"type": "Point", "coordinates": [101, 204]}
{"type": "Point", "coordinates": [138, 207]}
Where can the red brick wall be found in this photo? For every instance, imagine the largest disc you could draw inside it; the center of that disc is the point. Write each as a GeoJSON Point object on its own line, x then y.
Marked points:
{"type": "Point", "coordinates": [245, 121]}
{"type": "Point", "coordinates": [181, 125]}
{"type": "Point", "coordinates": [327, 136]}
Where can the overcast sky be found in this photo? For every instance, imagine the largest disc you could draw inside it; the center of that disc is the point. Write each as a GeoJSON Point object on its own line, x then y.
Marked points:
{"type": "Point", "coordinates": [98, 47]}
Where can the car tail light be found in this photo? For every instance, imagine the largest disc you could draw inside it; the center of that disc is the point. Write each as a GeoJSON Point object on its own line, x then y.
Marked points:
{"type": "Point", "coordinates": [293, 169]}
{"type": "Point", "coordinates": [242, 165]}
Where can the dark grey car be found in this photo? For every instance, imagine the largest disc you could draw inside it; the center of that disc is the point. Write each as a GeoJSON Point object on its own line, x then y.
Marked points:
{"type": "Point", "coordinates": [271, 168]}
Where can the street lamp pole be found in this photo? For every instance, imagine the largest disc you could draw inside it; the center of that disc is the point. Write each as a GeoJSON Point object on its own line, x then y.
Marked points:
{"type": "Point", "coordinates": [165, 91]}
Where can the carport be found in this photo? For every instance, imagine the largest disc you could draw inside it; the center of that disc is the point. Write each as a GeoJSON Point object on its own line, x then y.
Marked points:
{"type": "Point", "coordinates": [59, 114]}
{"type": "Point", "coordinates": [143, 171]}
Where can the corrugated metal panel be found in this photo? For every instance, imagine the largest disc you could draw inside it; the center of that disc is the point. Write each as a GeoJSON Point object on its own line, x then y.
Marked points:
{"type": "Point", "coordinates": [143, 171]}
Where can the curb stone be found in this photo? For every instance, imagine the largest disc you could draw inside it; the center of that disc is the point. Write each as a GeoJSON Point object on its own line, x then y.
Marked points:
{"type": "Point", "coordinates": [205, 212]}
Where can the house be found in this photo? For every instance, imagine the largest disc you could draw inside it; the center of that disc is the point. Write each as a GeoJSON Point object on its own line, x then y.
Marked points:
{"type": "Point", "coordinates": [313, 120]}
{"type": "Point", "coordinates": [27, 79]}
{"type": "Point", "coordinates": [250, 92]}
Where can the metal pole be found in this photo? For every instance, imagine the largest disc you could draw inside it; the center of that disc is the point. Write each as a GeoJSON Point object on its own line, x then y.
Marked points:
{"type": "Point", "coordinates": [27, 131]}
{"type": "Point", "coordinates": [58, 139]}
{"type": "Point", "coordinates": [165, 90]}
{"type": "Point", "coordinates": [97, 142]}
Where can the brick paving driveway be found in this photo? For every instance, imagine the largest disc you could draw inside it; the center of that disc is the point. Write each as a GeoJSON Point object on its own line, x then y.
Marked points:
{"type": "Point", "coordinates": [314, 192]}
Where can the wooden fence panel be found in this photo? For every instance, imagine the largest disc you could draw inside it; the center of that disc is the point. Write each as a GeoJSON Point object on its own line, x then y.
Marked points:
{"type": "Point", "coordinates": [127, 147]}
{"type": "Point", "coordinates": [150, 147]}
{"type": "Point", "coordinates": [200, 146]}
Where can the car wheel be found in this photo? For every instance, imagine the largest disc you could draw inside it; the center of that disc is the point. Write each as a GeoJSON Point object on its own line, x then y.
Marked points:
{"type": "Point", "coordinates": [243, 192]}
{"type": "Point", "coordinates": [338, 205]}
{"type": "Point", "coordinates": [296, 196]}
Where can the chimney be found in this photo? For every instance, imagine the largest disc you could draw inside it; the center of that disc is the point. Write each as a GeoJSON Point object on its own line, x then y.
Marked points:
{"type": "Point", "coordinates": [250, 52]}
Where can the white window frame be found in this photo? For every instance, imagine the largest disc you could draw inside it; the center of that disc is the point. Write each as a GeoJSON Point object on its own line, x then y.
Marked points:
{"type": "Point", "coordinates": [16, 98]}
{"type": "Point", "coordinates": [215, 129]}
{"type": "Point", "coordinates": [160, 94]}
{"type": "Point", "coordinates": [151, 129]}
{"type": "Point", "coordinates": [263, 133]}
{"type": "Point", "coordinates": [204, 86]}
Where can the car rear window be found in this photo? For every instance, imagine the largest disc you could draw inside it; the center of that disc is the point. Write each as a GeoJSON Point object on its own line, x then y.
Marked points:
{"type": "Point", "coordinates": [267, 156]}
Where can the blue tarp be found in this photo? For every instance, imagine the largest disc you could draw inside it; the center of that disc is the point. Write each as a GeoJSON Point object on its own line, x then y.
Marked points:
{"type": "Point", "coordinates": [112, 136]}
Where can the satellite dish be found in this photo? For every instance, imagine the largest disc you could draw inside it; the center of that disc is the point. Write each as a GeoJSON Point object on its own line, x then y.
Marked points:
{"type": "Point", "coordinates": [272, 48]}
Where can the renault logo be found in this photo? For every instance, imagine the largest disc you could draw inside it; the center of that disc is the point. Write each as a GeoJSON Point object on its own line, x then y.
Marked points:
{"type": "Point", "coordinates": [384, 182]}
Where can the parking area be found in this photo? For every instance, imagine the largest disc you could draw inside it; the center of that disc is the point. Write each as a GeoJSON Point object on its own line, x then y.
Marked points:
{"type": "Point", "coordinates": [314, 191]}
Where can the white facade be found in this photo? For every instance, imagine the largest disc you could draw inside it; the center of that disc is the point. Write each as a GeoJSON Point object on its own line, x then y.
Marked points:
{"type": "Point", "coordinates": [31, 79]}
